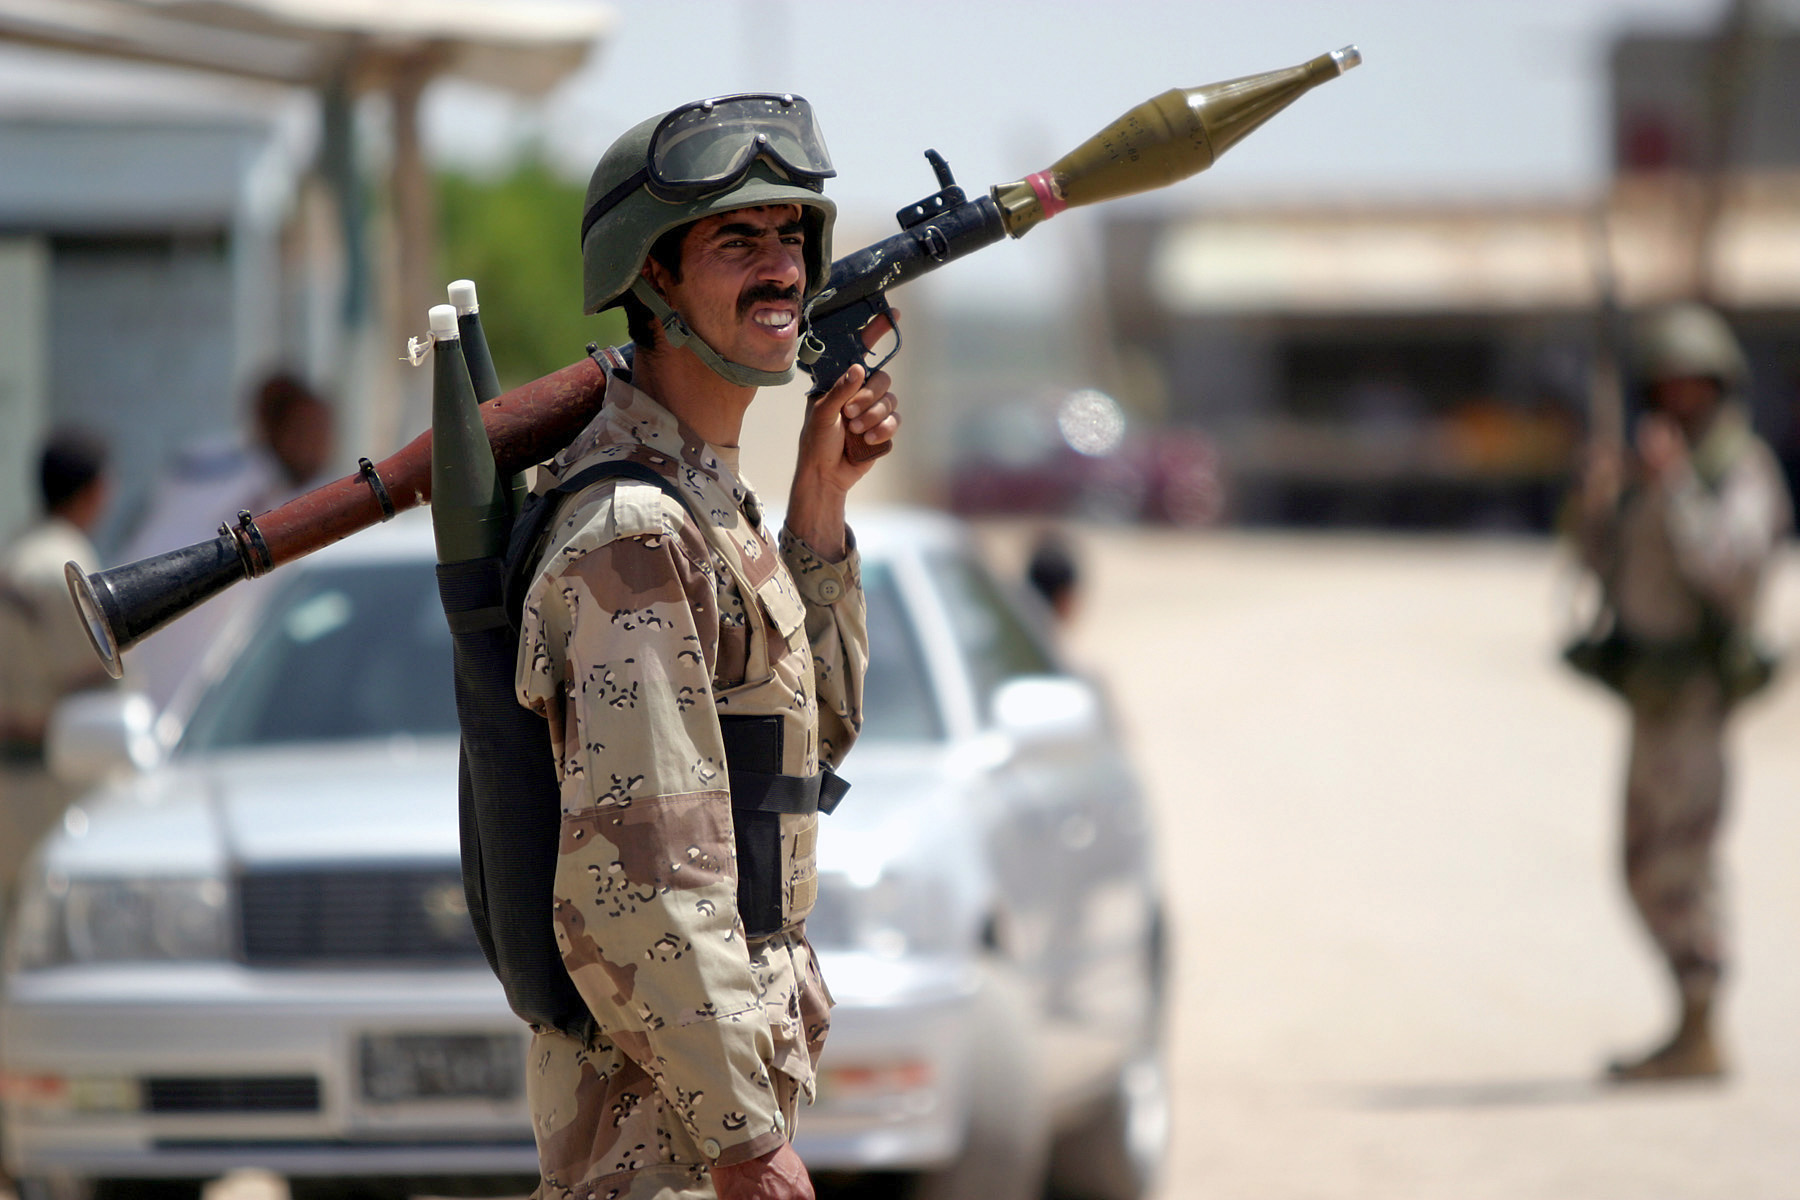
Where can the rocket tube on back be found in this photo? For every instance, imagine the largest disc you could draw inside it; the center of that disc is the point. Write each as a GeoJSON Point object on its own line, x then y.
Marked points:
{"type": "Point", "coordinates": [1165, 139]}
{"type": "Point", "coordinates": [474, 340]}
{"type": "Point", "coordinates": [468, 515]}
{"type": "Point", "coordinates": [482, 376]}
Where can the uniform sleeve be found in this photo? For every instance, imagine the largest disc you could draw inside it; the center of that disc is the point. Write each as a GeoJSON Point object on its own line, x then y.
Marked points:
{"type": "Point", "coordinates": [1723, 540]}
{"type": "Point", "coordinates": [837, 627]}
{"type": "Point", "coordinates": [1596, 537]}
{"type": "Point", "coordinates": [613, 653]}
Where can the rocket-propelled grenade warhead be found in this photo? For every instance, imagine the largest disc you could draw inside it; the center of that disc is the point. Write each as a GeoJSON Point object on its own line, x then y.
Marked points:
{"type": "Point", "coordinates": [1165, 139]}
{"type": "Point", "coordinates": [469, 515]}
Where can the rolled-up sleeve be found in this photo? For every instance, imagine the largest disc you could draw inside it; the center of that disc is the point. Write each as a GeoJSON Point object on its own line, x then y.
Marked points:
{"type": "Point", "coordinates": [1723, 538]}
{"type": "Point", "coordinates": [837, 628]}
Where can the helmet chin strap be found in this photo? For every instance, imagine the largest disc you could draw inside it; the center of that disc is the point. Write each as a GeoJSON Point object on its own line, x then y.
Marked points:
{"type": "Point", "coordinates": [679, 334]}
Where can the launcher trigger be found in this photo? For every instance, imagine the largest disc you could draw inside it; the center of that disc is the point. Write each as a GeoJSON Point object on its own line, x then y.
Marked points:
{"type": "Point", "coordinates": [878, 307]}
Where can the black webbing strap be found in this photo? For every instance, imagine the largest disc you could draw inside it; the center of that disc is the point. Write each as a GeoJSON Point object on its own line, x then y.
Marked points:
{"type": "Point", "coordinates": [475, 620]}
{"type": "Point", "coordinates": [525, 545]}
{"type": "Point", "coordinates": [756, 791]}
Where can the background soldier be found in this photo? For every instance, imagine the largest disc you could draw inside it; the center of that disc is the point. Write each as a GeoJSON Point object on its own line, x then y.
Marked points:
{"type": "Point", "coordinates": [675, 641]}
{"type": "Point", "coordinates": [44, 652]}
{"type": "Point", "coordinates": [289, 446]}
{"type": "Point", "coordinates": [1680, 549]}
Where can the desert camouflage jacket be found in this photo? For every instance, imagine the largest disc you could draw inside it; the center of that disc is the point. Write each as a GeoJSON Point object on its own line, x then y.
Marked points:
{"type": "Point", "coordinates": [642, 627]}
{"type": "Point", "coordinates": [44, 651]}
{"type": "Point", "coordinates": [1702, 540]}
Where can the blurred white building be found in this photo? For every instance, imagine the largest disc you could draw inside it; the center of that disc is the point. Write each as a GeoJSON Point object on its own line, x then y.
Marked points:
{"type": "Point", "coordinates": [1431, 364]}
{"type": "Point", "coordinates": [193, 194]}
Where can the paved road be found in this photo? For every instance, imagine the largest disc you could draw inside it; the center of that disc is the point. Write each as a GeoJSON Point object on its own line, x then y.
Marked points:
{"type": "Point", "coordinates": [1388, 822]}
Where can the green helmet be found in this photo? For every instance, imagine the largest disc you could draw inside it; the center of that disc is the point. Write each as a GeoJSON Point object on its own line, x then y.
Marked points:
{"type": "Point", "coordinates": [1691, 340]}
{"type": "Point", "coordinates": [708, 157]}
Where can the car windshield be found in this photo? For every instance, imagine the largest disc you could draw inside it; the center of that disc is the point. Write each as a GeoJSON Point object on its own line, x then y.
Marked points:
{"type": "Point", "coordinates": [362, 651]}
{"type": "Point", "coordinates": [342, 653]}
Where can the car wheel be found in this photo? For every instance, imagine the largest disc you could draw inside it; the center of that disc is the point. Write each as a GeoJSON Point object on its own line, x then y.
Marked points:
{"type": "Point", "coordinates": [1006, 1150]}
{"type": "Point", "coordinates": [1118, 1153]}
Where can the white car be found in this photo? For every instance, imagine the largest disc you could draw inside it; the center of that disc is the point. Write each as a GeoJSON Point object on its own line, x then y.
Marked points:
{"type": "Point", "coordinates": [247, 946]}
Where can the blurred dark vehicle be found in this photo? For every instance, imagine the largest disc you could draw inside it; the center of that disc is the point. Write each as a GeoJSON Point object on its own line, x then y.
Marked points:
{"type": "Point", "coordinates": [1077, 455]}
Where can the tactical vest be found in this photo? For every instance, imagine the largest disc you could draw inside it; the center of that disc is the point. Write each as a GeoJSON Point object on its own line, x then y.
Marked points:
{"type": "Point", "coordinates": [509, 796]}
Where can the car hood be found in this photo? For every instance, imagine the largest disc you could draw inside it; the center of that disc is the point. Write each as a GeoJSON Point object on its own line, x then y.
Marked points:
{"type": "Point", "coordinates": [341, 802]}
{"type": "Point", "coordinates": [396, 801]}
{"type": "Point", "coordinates": [905, 802]}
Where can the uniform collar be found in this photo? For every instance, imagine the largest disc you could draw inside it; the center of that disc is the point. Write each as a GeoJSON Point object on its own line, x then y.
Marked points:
{"type": "Point", "coordinates": [632, 417]}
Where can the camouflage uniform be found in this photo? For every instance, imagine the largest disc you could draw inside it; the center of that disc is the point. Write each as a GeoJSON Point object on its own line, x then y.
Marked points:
{"type": "Point", "coordinates": [640, 630]}
{"type": "Point", "coordinates": [1676, 557]}
{"type": "Point", "coordinates": [44, 655]}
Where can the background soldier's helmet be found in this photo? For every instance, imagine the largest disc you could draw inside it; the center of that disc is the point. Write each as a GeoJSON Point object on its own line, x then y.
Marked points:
{"type": "Point", "coordinates": [616, 239]}
{"type": "Point", "coordinates": [1691, 341]}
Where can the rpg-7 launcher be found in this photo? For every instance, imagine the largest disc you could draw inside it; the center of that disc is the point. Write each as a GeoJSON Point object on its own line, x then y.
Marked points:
{"type": "Point", "coordinates": [1165, 139]}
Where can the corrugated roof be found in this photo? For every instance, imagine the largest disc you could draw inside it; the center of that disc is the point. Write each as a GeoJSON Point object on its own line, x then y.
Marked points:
{"type": "Point", "coordinates": [524, 46]}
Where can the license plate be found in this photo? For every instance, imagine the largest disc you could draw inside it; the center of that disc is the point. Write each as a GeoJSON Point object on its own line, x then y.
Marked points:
{"type": "Point", "coordinates": [441, 1066]}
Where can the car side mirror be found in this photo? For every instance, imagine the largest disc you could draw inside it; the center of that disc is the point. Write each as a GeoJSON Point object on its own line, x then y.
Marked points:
{"type": "Point", "coordinates": [95, 735]}
{"type": "Point", "coordinates": [1047, 708]}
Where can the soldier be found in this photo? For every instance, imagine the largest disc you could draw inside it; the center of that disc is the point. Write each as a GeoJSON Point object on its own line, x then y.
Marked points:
{"type": "Point", "coordinates": [1680, 551]}
{"type": "Point", "coordinates": [210, 482]}
{"type": "Point", "coordinates": [674, 644]}
{"type": "Point", "coordinates": [44, 652]}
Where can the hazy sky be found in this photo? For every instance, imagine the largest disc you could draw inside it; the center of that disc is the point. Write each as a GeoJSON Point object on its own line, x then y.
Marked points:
{"type": "Point", "coordinates": [1456, 98]}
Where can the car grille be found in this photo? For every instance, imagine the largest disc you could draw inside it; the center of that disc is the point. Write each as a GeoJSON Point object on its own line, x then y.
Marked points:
{"type": "Point", "coordinates": [297, 1094]}
{"type": "Point", "coordinates": [368, 916]}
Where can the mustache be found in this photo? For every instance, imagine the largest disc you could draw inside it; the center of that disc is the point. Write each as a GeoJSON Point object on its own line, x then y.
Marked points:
{"type": "Point", "coordinates": [766, 292]}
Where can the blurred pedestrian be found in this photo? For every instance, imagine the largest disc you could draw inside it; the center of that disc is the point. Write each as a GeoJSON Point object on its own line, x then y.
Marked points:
{"type": "Point", "coordinates": [209, 481]}
{"type": "Point", "coordinates": [45, 654]}
{"type": "Point", "coordinates": [1054, 574]}
{"type": "Point", "coordinates": [1680, 539]}
{"type": "Point", "coordinates": [207, 484]}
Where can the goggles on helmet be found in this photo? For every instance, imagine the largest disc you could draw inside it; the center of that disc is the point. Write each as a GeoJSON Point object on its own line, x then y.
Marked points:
{"type": "Point", "coordinates": [709, 146]}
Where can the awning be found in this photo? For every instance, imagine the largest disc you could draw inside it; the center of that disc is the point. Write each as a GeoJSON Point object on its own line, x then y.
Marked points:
{"type": "Point", "coordinates": [1419, 260]}
{"type": "Point", "coordinates": [524, 46]}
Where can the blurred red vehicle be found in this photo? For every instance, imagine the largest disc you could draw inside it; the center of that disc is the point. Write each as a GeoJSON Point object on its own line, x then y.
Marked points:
{"type": "Point", "coordinates": [1075, 455]}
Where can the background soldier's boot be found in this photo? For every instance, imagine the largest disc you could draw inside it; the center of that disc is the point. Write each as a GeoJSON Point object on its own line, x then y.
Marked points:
{"type": "Point", "coordinates": [1692, 1053]}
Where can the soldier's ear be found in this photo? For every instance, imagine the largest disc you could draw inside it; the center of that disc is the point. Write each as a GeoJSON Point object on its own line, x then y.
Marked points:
{"type": "Point", "coordinates": [657, 276]}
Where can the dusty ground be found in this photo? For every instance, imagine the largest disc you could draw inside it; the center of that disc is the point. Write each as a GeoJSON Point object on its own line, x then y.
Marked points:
{"type": "Point", "coordinates": [1388, 822]}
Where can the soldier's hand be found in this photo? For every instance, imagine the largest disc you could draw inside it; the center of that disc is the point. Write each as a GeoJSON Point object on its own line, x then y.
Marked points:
{"type": "Point", "coordinates": [857, 407]}
{"type": "Point", "coordinates": [777, 1175]}
{"type": "Point", "coordinates": [1661, 447]}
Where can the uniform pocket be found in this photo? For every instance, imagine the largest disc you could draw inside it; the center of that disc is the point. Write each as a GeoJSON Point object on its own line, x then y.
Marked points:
{"type": "Point", "coordinates": [799, 864]}
{"type": "Point", "coordinates": [782, 603]}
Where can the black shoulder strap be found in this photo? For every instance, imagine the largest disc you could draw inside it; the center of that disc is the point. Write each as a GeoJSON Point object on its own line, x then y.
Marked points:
{"type": "Point", "coordinates": [526, 542]}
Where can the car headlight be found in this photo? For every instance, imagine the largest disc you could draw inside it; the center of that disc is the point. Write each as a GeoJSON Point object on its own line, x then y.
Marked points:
{"type": "Point", "coordinates": [146, 919]}
{"type": "Point", "coordinates": [891, 916]}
